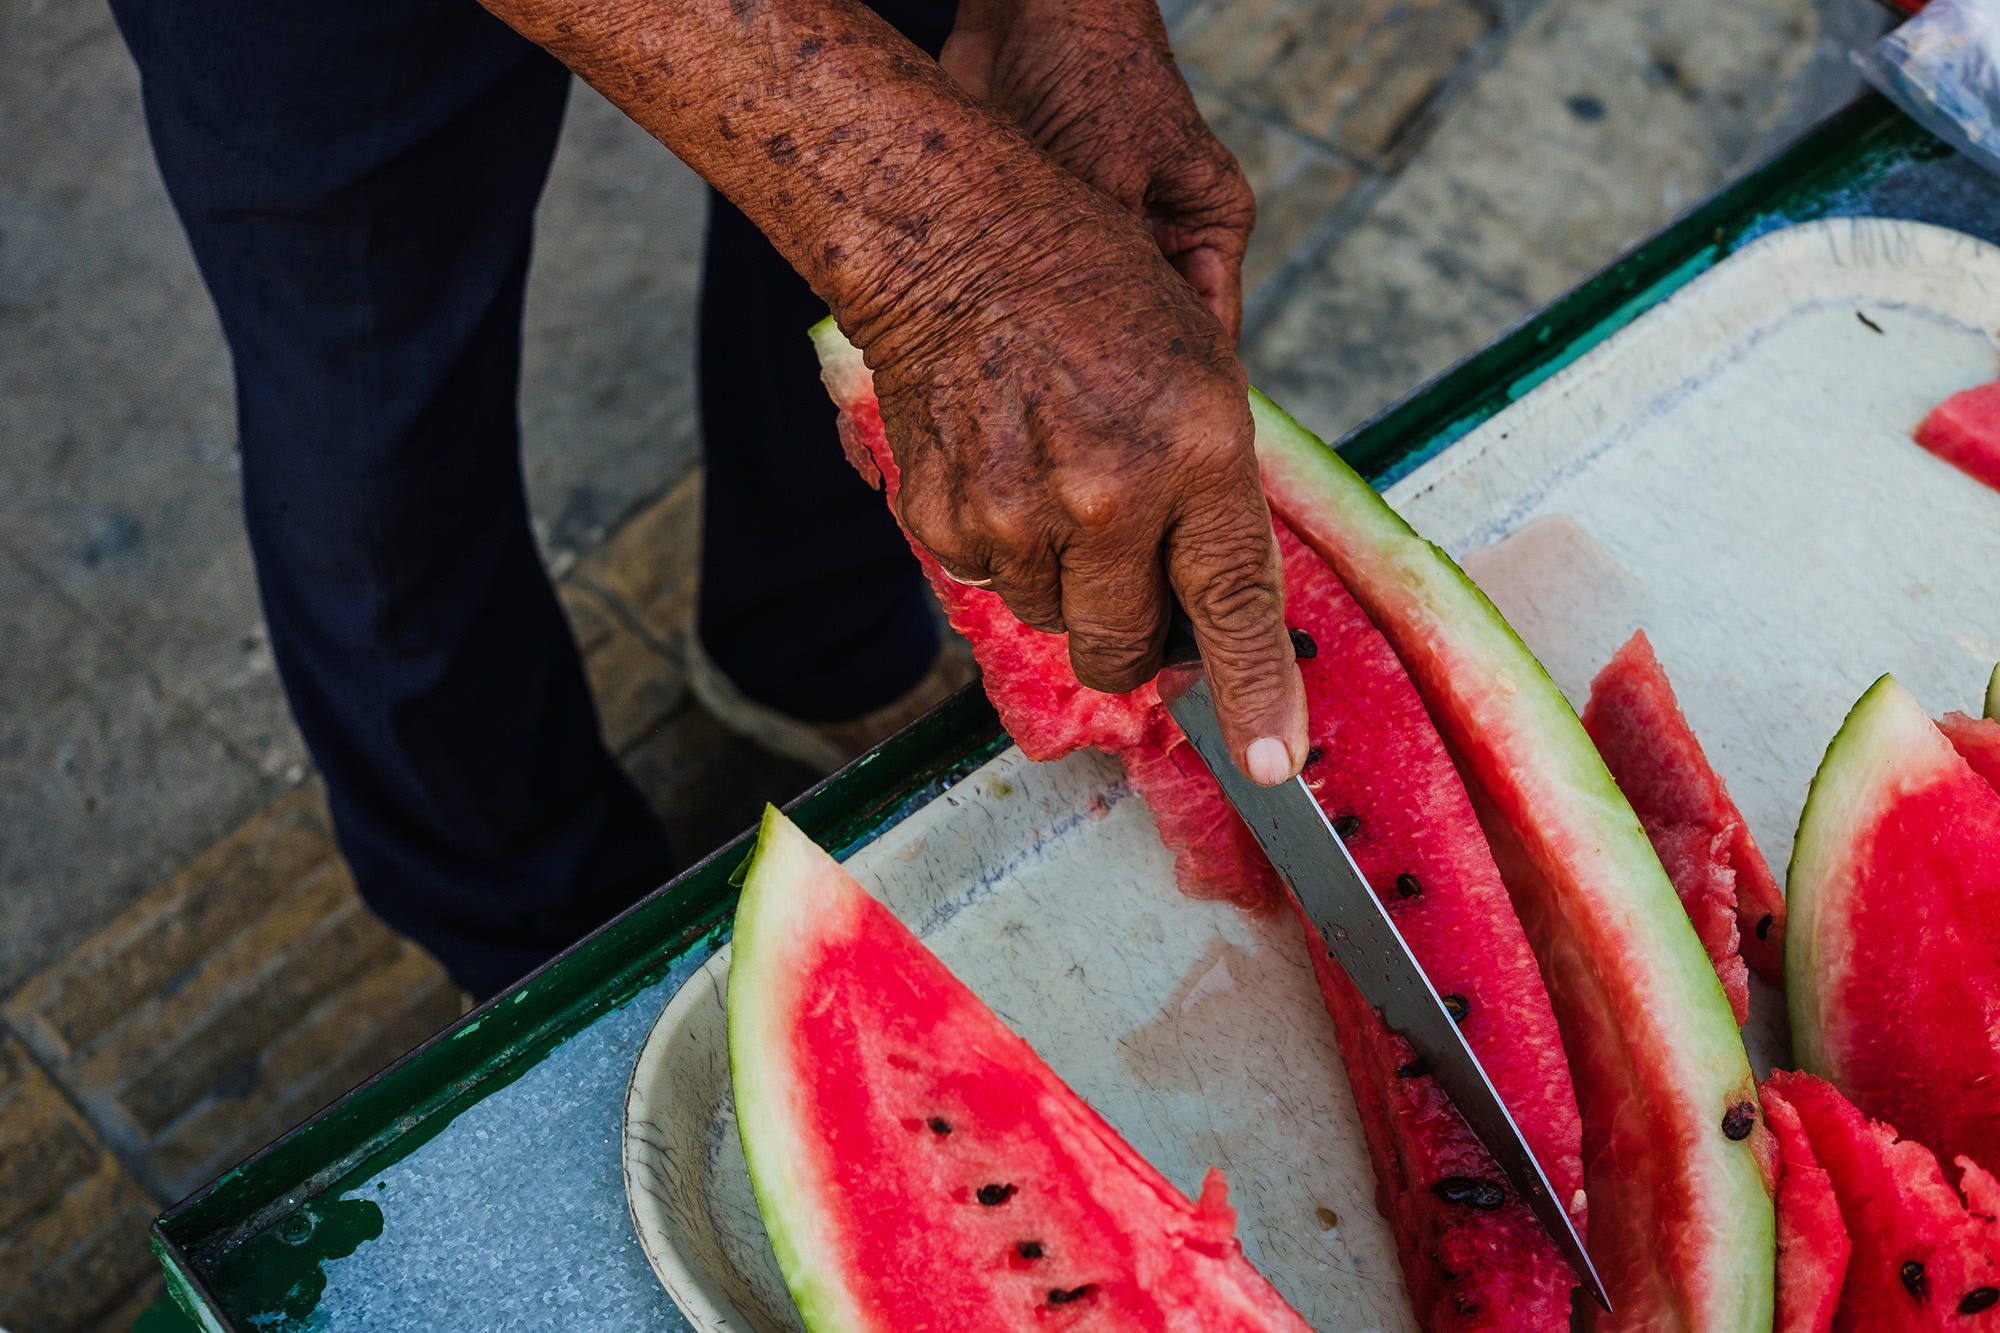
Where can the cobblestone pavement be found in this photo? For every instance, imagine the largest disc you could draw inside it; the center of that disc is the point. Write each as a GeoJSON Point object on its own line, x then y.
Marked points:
{"type": "Point", "coordinates": [184, 968]}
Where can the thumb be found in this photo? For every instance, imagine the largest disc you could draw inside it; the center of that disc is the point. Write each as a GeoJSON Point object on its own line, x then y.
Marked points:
{"type": "Point", "coordinates": [1225, 569]}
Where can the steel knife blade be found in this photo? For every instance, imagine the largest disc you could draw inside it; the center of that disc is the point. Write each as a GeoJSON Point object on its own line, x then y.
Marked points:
{"type": "Point", "coordinates": [1301, 843]}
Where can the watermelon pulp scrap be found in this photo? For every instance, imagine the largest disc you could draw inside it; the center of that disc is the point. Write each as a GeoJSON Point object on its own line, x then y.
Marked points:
{"type": "Point", "coordinates": [1812, 1240]}
{"type": "Point", "coordinates": [1723, 880]}
{"type": "Point", "coordinates": [1468, 1265]}
{"type": "Point", "coordinates": [1895, 897]}
{"type": "Point", "coordinates": [1923, 1255]}
{"type": "Point", "coordinates": [1977, 740]}
{"type": "Point", "coordinates": [918, 1167]}
{"type": "Point", "coordinates": [1964, 430]}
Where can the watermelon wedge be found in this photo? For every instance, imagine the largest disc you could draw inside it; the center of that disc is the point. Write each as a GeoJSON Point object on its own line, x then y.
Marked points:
{"type": "Point", "coordinates": [1723, 880]}
{"type": "Point", "coordinates": [917, 1166]}
{"type": "Point", "coordinates": [1381, 773]}
{"type": "Point", "coordinates": [1890, 965]}
{"type": "Point", "coordinates": [1812, 1240]}
{"type": "Point", "coordinates": [1964, 430]}
{"type": "Point", "coordinates": [1923, 1254]}
{"type": "Point", "coordinates": [1682, 1227]}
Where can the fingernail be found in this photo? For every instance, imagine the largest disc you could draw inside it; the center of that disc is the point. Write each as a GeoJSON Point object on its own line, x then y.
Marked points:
{"type": "Point", "coordinates": [1267, 761]}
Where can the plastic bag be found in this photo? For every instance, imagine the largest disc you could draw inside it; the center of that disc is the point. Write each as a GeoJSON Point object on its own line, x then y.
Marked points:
{"type": "Point", "coordinates": [1943, 68]}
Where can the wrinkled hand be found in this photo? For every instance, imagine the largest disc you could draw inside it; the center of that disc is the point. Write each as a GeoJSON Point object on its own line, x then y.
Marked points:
{"type": "Point", "coordinates": [1094, 83]}
{"type": "Point", "coordinates": [1070, 422]}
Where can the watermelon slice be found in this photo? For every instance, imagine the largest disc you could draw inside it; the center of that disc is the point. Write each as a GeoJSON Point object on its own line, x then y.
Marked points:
{"type": "Point", "coordinates": [918, 1167]}
{"type": "Point", "coordinates": [1924, 1255]}
{"type": "Point", "coordinates": [1704, 842]}
{"type": "Point", "coordinates": [1964, 430]}
{"type": "Point", "coordinates": [1473, 1255]}
{"type": "Point", "coordinates": [1891, 972]}
{"type": "Point", "coordinates": [1812, 1240]}
{"type": "Point", "coordinates": [1681, 1216]}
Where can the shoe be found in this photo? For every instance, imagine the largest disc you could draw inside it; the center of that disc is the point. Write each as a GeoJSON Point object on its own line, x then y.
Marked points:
{"type": "Point", "coordinates": [823, 746]}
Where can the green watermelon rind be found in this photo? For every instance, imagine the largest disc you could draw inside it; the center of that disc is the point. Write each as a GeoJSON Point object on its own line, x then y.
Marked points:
{"type": "Point", "coordinates": [1884, 741]}
{"type": "Point", "coordinates": [1993, 694]}
{"type": "Point", "coordinates": [1679, 1001]}
{"type": "Point", "coordinates": [841, 366]}
{"type": "Point", "coordinates": [769, 915]}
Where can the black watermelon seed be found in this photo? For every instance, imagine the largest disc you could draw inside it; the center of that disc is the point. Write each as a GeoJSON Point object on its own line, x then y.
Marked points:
{"type": "Point", "coordinates": [1979, 1298]}
{"type": "Point", "coordinates": [1417, 1068]}
{"type": "Point", "coordinates": [1465, 1305]}
{"type": "Point", "coordinates": [1302, 644]}
{"type": "Point", "coordinates": [1409, 885]}
{"type": "Point", "coordinates": [939, 1125]}
{"type": "Point", "coordinates": [994, 1195]}
{"type": "Point", "coordinates": [1738, 1121]}
{"type": "Point", "coordinates": [1314, 755]}
{"type": "Point", "coordinates": [1029, 1249]}
{"type": "Point", "coordinates": [1764, 926]}
{"type": "Point", "coordinates": [1057, 1296]}
{"type": "Point", "coordinates": [1484, 1195]}
{"type": "Point", "coordinates": [1457, 1006]}
{"type": "Point", "coordinates": [1914, 1280]}
{"type": "Point", "coordinates": [1347, 826]}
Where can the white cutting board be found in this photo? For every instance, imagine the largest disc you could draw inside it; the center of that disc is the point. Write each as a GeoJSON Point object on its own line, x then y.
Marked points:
{"type": "Point", "coordinates": [1733, 472]}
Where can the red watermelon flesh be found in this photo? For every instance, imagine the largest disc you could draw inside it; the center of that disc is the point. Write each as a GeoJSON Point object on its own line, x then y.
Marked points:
{"type": "Point", "coordinates": [1723, 880]}
{"type": "Point", "coordinates": [1468, 1267]}
{"type": "Point", "coordinates": [1812, 1240]}
{"type": "Point", "coordinates": [1026, 672]}
{"type": "Point", "coordinates": [1924, 1255]}
{"type": "Point", "coordinates": [1964, 430]}
{"type": "Point", "coordinates": [1893, 963]}
{"type": "Point", "coordinates": [1977, 740]}
{"type": "Point", "coordinates": [918, 1167]}
{"type": "Point", "coordinates": [1383, 776]}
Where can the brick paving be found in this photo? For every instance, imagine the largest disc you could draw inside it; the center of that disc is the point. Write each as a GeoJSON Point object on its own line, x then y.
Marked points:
{"type": "Point", "coordinates": [1427, 172]}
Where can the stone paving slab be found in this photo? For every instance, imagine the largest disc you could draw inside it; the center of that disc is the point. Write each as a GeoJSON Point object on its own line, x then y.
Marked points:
{"type": "Point", "coordinates": [1602, 121]}
{"type": "Point", "coordinates": [73, 1247]}
{"type": "Point", "coordinates": [1354, 74]}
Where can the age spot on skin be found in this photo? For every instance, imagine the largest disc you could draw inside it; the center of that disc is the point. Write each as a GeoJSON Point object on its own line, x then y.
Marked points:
{"type": "Point", "coordinates": [935, 143]}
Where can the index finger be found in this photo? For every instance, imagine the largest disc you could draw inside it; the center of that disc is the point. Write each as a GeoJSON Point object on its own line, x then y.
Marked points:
{"type": "Point", "coordinates": [1223, 563]}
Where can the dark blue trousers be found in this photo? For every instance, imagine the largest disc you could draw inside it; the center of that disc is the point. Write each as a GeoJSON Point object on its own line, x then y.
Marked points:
{"type": "Point", "coordinates": [358, 181]}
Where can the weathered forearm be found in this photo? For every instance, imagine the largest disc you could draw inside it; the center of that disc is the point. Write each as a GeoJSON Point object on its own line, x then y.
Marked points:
{"type": "Point", "coordinates": [874, 174]}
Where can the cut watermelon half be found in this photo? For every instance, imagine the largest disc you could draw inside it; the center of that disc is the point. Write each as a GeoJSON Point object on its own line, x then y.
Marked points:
{"type": "Point", "coordinates": [1923, 1255]}
{"type": "Point", "coordinates": [1964, 430]}
{"type": "Point", "coordinates": [1702, 838]}
{"type": "Point", "coordinates": [1891, 973]}
{"type": "Point", "coordinates": [1473, 1254]}
{"type": "Point", "coordinates": [918, 1166]}
{"type": "Point", "coordinates": [1682, 1227]}
{"type": "Point", "coordinates": [1812, 1240]}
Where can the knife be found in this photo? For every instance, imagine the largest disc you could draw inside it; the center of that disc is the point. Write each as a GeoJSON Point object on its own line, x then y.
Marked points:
{"type": "Point", "coordinates": [1310, 857]}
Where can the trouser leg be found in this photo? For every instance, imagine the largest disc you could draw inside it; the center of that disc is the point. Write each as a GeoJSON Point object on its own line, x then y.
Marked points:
{"type": "Point", "coordinates": [810, 601]}
{"type": "Point", "coordinates": [358, 181]}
